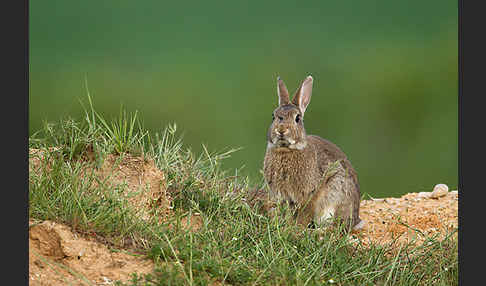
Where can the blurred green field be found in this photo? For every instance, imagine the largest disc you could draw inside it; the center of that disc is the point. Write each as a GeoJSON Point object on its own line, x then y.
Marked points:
{"type": "Point", "coordinates": [385, 89]}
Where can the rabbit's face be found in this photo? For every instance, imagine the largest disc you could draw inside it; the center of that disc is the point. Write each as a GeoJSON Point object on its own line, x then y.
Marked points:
{"type": "Point", "coordinates": [287, 128]}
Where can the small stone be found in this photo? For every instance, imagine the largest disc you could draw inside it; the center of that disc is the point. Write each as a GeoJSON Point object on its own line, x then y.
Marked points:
{"type": "Point", "coordinates": [440, 190]}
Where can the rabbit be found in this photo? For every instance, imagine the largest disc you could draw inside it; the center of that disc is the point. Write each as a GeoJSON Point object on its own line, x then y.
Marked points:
{"type": "Point", "coordinates": [310, 173]}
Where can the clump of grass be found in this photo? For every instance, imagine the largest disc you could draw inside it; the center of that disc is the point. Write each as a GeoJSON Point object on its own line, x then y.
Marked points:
{"type": "Point", "coordinates": [236, 244]}
{"type": "Point", "coordinates": [122, 133]}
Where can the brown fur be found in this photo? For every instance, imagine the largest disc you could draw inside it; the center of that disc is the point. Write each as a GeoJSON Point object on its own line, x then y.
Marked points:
{"type": "Point", "coordinates": [312, 174]}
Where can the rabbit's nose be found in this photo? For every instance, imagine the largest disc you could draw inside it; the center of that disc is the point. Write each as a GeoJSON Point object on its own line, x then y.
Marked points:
{"type": "Point", "coordinates": [281, 131]}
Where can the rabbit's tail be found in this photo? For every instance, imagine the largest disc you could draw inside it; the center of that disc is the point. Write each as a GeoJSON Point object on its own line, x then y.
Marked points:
{"type": "Point", "coordinates": [361, 223]}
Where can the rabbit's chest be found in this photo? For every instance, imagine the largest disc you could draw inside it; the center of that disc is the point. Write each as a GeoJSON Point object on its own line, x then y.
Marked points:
{"type": "Point", "coordinates": [291, 176]}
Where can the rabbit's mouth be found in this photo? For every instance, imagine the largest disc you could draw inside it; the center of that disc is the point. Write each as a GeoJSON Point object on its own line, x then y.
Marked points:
{"type": "Point", "coordinates": [282, 142]}
{"type": "Point", "coordinates": [289, 143]}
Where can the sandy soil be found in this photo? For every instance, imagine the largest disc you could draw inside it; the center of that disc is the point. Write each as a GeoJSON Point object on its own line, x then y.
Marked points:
{"type": "Point", "coordinates": [60, 256]}
{"type": "Point", "coordinates": [412, 217]}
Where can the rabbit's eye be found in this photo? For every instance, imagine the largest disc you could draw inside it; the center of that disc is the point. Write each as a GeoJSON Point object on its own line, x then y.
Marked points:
{"type": "Point", "coordinates": [273, 117]}
{"type": "Point", "coordinates": [297, 118]}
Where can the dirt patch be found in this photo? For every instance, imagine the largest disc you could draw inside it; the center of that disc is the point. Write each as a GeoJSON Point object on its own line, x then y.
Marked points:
{"type": "Point", "coordinates": [145, 183]}
{"type": "Point", "coordinates": [412, 217]}
{"type": "Point", "coordinates": [58, 256]}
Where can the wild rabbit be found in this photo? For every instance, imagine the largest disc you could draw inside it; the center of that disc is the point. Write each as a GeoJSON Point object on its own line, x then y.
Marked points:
{"type": "Point", "coordinates": [312, 174]}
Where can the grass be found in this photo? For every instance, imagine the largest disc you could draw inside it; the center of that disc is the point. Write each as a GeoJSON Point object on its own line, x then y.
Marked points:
{"type": "Point", "coordinates": [236, 244]}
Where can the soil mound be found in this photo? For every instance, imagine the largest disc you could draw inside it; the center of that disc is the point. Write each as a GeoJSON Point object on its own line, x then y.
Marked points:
{"type": "Point", "coordinates": [145, 183]}
{"type": "Point", "coordinates": [58, 256]}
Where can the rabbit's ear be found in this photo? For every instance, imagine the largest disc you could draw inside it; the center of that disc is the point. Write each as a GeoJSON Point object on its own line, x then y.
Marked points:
{"type": "Point", "coordinates": [303, 95]}
{"type": "Point", "coordinates": [283, 93]}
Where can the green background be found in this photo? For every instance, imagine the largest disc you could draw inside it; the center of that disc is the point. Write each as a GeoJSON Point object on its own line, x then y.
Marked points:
{"type": "Point", "coordinates": [385, 76]}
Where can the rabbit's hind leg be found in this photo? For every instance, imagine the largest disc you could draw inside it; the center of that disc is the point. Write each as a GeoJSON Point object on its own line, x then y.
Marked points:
{"type": "Point", "coordinates": [331, 198]}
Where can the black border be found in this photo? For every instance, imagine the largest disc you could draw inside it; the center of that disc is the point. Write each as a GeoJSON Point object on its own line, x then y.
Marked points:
{"type": "Point", "coordinates": [15, 136]}
{"type": "Point", "coordinates": [471, 76]}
